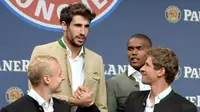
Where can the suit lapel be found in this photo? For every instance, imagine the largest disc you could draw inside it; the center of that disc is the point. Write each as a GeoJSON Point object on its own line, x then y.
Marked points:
{"type": "Point", "coordinates": [136, 84]}
{"type": "Point", "coordinates": [86, 67]}
{"type": "Point", "coordinates": [65, 61]}
{"type": "Point", "coordinates": [68, 69]}
{"type": "Point", "coordinates": [144, 101]}
{"type": "Point", "coordinates": [162, 105]}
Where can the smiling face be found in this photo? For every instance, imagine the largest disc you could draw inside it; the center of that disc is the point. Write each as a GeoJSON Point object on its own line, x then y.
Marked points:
{"type": "Point", "coordinates": [56, 77]}
{"type": "Point", "coordinates": [136, 52]}
{"type": "Point", "coordinates": [163, 63]}
{"type": "Point", "coordinates": [149, 74]}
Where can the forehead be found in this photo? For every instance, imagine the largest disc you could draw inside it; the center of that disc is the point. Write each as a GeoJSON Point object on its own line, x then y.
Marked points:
{"type": "Point", "coordinates": [138, 42]}
{"type": "Point", "coordinates": [56, 66]}
{"type": "Point", "coordinates": [149, 60]}
{"type": "Point", "coordinates": [78, 19]}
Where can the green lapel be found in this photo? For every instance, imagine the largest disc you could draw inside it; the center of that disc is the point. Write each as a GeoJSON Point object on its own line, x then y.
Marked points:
{"type": "Point", "coordinates": [62, 44]}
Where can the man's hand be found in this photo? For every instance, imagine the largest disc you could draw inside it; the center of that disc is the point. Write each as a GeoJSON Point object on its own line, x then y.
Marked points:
{"type": "Point", "coordinates": [82, 97]}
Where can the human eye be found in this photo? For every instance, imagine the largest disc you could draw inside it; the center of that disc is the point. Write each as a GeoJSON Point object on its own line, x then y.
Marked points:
{"type": "Point", "coordinates": [139, 48]}
{"type": "Point", "coordinates": [130, 48]}
{"type": "Point", "coordinates": [77, 25]}
{"type": "Point", "coordinates": [87, 26]}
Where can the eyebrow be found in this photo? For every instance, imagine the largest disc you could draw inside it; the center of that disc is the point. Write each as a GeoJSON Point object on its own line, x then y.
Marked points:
{"type": "Point", "coordinates": [79, 24]}
{"type": "Point", "coordinates": [138, 46]}
{"type": "Point", "coordinates": [147, 63]}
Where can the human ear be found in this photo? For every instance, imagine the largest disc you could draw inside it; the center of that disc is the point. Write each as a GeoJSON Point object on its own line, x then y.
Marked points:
{"type": "Point", "coordinates": [46, 79]}
{"type": "Point", "coordinates": [64, 26]}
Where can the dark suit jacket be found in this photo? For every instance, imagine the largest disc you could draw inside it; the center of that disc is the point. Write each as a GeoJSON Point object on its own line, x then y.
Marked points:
{"type": "Point", "coordinates": [136, 102]}
{"type": "Point", "coordinates": [118, 89]}
{"type": "Point", "coordinates": [28, 104]}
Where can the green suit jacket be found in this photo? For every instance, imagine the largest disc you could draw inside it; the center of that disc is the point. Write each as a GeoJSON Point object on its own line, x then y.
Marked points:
{"type": "Point", "coordinates": [94, 72]}
{"type": "Point", "coordinates": [118, 89]}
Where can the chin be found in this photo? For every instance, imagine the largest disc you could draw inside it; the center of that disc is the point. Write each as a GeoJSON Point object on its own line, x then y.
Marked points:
{"type": "Point", "coordinates": [145, 82]}
{"type": "Point", "coordinates": [58, 91]}
{"type": "Point", "coordinates": [136, 67]}
{"type": "Point", "coordinates": [79, 45]}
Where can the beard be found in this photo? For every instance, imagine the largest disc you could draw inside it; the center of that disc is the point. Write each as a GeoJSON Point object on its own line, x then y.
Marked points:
{"type": "Point", "coordinates": [78, 41]}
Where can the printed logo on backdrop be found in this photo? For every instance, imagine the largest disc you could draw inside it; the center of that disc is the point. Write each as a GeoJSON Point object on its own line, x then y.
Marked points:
{"type": "Point", "coordinates": [173, 14]}
{"type": "Point", "coordinates": [112, 70]}
{"type": "Point", "coordinates": [178, 75]}
{"type": "Point", "coordinates": [45, 13]}
{"type": "Point", "coordinates": [194, 99]}
{"type": "Point", "coordinates": [13, 93]}
{"type": "Point", "coordinates": [188, 72]}
{"type": "Point", "coordinates": [191, 72]}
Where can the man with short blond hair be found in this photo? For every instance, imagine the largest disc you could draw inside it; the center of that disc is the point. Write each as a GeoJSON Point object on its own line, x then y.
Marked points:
{"type": "Point", "coordinates": [38, 67]}
{"type": "Point", "coordinates": [45, 75]}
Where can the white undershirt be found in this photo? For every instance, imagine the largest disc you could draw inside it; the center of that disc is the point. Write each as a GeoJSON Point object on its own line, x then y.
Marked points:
{"type": "Point", "coordinates": [47, 107]}
{"type": "Point", "coordinates": [150, 107]}
{"type": "Point", "coordinates": [77, 68]}
{"type": "Point", "coordinates": [138, 77]}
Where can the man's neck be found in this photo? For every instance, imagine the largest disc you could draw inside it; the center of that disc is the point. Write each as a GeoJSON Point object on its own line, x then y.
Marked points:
{"type": "Point", "coordinates": [156, 89]}
{"type": "Point", "coordinates": [138, 68]}
{"type": "Point", "coordinates": [75, 50]}
{"type": "Point", "coordinates": [43, 93]}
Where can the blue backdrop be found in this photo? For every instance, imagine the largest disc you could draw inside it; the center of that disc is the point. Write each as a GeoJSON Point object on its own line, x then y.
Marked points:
{"type": "Point", "coordinates": [172, 24]}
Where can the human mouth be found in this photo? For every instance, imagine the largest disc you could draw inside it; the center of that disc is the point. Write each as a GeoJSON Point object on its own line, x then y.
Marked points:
{"type": "Point", "coordinates": [143, 74]}
{"type": "Point", "coordinates": [81, 38]}
{"type": "Point", "coordinates": [134, 60]}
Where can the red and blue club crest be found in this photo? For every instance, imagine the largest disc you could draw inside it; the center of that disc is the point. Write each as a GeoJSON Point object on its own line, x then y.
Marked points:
{"type": "Point", "coordinates": [45, 13]}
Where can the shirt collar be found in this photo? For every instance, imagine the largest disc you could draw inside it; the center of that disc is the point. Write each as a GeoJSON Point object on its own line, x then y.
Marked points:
{"type": "Point", "coordinates": [132, 71]}
{"type": "Point", "coordinates": [38, 98]}
{"type": "Point", "coordinates": [62, 43]}
{"type": "Point", "coordinates": [161, 95]}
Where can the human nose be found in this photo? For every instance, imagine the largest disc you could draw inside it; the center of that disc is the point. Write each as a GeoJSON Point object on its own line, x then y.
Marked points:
{"type": "Point", "coordinates": [82, 31]}
{"type": "Point", "coordinates": [134, 52]}
{"type": "Point", "coordinates": [142, 69]}
{"type": "Point", "coordinates": [62, 77]}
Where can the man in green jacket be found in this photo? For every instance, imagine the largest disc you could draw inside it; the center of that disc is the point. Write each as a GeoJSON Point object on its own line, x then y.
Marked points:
{"type": "Point", "coordinates": [120, 86]}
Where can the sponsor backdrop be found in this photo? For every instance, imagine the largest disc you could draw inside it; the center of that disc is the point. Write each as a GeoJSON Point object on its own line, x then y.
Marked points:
{"type": "Point", "coordinates": [172, 24]}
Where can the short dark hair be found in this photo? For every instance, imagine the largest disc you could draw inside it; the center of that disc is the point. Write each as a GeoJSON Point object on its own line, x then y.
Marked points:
{"type": "Point", "coordinates": [167, 59]}
{"type": "Point", "coordinates": [142, 36]}
{"type": "Point", "coordinates": [68, 12]}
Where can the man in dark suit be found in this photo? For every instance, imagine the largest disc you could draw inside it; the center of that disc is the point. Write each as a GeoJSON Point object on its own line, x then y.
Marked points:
{"type": "Point", "coordinates": [45, 75]}
{"type": "Point", "coordinates": [159, 71]}
{"type": "Point", "coordinates": [120, 86]}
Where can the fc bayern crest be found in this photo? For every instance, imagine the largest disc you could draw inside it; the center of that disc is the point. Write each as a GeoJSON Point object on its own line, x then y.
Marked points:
{"type": "Point", "coordinates": [45, 13]}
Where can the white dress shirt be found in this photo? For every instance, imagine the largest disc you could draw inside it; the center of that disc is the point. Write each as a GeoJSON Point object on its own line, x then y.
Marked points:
{"type": "Point", "coordinates": [150, 107]}
{"type": "Point", "coordinates": [77, 68]}
{"type": "Point", "coordinates": [138, 77]}
{"type": "Point", "coordinates": [48, 107]}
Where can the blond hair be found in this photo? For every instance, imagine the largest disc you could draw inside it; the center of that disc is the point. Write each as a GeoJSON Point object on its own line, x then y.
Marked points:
{"type": "Point", "coordinates": [39, 66]}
